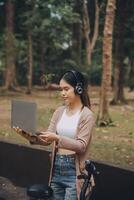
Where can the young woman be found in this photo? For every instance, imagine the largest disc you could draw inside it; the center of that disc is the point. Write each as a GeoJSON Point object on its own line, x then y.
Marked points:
{"type": "Point", "coordinates": [70, 132]}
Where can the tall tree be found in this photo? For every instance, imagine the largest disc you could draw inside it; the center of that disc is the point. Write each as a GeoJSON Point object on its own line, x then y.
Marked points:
{"type": "Point", "coordinates": [90, 39]}
{"type": "Point", "coordinates": [103, 118]}
{"type": "Point", "coordinates": [29, 27]}
{"type": "Point", "coordinates": [77, 34]}
{"type": "Point", "coordinates": [10, 46]}
{"type": "Point", "coordinates": [129, 42]}
{"type": "Point", "coordinates": [50, 23]}
{"type": "Point", "coordinates": [118, 82]}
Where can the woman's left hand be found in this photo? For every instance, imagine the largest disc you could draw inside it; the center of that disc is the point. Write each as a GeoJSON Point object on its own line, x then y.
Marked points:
{"type": "Point", "coordinates": [49, 137]}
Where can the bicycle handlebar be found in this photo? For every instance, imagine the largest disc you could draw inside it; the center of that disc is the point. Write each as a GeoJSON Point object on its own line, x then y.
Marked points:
{"type": "Point", "coordinates": [90, 168]}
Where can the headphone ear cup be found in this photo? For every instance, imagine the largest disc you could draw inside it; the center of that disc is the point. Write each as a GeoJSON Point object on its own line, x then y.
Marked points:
{"type": "Point", "coordinates": [78, 89]}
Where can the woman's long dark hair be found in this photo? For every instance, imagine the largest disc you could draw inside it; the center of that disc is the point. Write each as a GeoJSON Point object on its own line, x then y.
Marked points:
{"type": "Point", "coordinates": [74, 77]}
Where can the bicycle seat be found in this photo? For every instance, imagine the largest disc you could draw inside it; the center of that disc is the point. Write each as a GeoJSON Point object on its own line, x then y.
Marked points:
{"type": "Point", "coordinates": [39, 191]}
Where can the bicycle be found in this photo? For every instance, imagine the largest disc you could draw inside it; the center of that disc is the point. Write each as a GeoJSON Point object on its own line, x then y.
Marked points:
{"type": "Point", "coordinates": [43, 192]}
{"type": "Point", "coordinates": [91, 171]}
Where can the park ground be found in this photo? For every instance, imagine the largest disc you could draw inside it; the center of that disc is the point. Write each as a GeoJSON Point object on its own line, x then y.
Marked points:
{"type": "Point", "coordinates": [114, 144]}
{"type": "Point", "coordinates": [8, 191]}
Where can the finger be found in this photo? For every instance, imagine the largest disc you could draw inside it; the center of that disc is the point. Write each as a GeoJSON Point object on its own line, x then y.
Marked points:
{"type": "Point", "coordinates": [43, 139]}
{"type": "Point", "coordinates": [19, 130]}
{"type": "Point", "coordinates": [43, 136]}
{"type": "Point", "coordinates": [15, 129]}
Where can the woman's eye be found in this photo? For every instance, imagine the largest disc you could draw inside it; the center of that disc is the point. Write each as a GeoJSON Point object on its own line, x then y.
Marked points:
{"type": "Point", "coordinates": [66, 89]}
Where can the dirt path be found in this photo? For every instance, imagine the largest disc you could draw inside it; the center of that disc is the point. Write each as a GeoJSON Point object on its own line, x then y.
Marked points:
{"type": "Point", "coordinates": [8, 191]}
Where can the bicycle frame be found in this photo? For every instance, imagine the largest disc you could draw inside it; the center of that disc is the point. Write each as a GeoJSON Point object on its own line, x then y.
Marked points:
{"type": "Point", "coordinates": [91, 171]}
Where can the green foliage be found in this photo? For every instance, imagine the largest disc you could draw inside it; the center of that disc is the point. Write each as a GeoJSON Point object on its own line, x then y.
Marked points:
{"type": "Point", "coordinates": [46, 78]}
{"type": "Point", "coordinates": [129, 31]}
{"type": "Point", "coordinates": [2, 54]}
{"type": "Point", "coordinates": [70, 64]}
{"type": "Point", "coordinates": [2, 59]}
{"type": "Point", "coordinates": [95, 73]}
{"type": "Point", "coordinates": [22, 61]}
{"type": "Point", "coordinates": [51, 24]}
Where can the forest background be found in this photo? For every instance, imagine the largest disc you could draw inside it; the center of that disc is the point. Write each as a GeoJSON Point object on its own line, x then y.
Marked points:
{"type": "Point", "coordinates": [40, 40]}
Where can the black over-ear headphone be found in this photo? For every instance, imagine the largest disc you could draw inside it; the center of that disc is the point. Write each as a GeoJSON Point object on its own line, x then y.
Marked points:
{"type": "Point", "coordinates": [78, 88]}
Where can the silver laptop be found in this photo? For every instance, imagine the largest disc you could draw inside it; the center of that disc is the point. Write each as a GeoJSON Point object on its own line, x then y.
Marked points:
{"type": "Point", "coordinates": [24, 115]}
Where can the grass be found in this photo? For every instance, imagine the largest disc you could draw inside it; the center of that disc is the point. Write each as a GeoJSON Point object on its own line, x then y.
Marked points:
{"type": "Point", "coordinates": [114, 145]}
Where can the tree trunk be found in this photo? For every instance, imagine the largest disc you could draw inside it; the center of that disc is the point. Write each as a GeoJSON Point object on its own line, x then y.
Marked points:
{"type": "Point", "coordinates": [77, 35]}
{"type": "Point", "coordinates": [30, 63]}
{"type": "Point", "coordinates": [10, 77]}
{"type": "Point", "coordinates": [90, 41]}
{"type": "Point", "coordinates": [103, 118]}
{"type": "Point", "coordinates": [118, 86]}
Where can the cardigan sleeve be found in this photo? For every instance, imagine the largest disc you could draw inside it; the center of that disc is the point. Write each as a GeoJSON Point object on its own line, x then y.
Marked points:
{"type": "Point", "coordinates": [52, 124]}
{"type": "Point", "coordinates": [80, 143]}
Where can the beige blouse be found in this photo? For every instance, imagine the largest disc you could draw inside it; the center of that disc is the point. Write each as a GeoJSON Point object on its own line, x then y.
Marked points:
{"type": "Point", "coordinates": [80, 144]}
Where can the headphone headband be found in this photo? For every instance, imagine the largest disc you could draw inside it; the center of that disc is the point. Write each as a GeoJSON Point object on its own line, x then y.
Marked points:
{"type": "Point", "coordinates": [78, 88]}
{"type": "Point", "coordinates": [73, 72]}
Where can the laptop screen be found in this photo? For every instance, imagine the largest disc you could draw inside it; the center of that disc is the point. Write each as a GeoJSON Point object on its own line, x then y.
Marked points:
{"type": "Point", "coordinates": [23, 115]}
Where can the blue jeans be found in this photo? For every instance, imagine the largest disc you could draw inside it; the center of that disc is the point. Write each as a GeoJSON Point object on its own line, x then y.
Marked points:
{"type": "Point", "coordinates": [64, 178]}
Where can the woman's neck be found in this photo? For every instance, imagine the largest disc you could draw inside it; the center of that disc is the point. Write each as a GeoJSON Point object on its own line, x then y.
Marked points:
{"type": "Point", "coordinates": [74, 107]}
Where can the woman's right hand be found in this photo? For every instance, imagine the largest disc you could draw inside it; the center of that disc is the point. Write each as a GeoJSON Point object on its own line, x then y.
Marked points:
{"type": "Point", "coordinates": [33, 139]}
{"type": "Point", "coordinates": [26, 135]}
